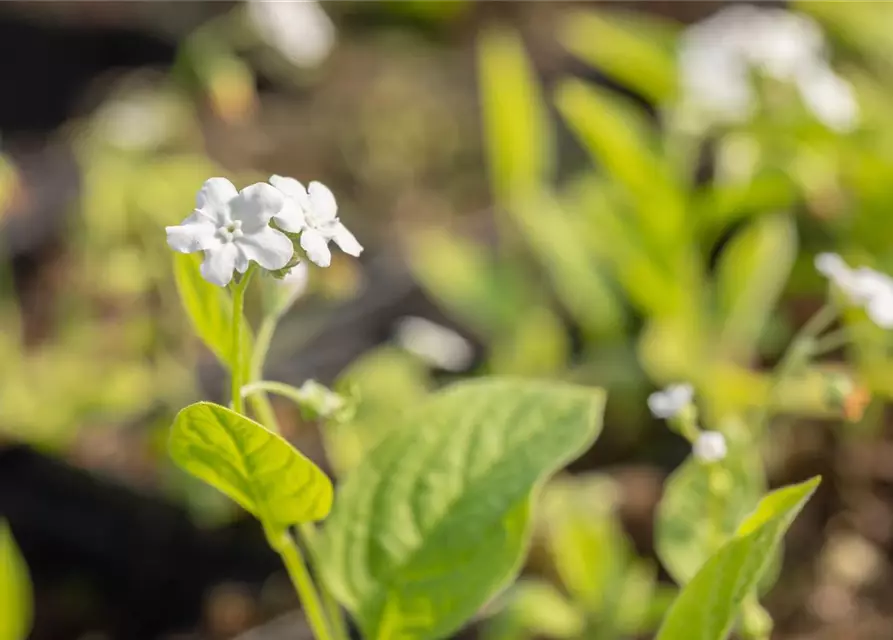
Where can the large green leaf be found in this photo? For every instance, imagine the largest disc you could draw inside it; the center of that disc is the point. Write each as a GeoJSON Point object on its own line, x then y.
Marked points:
{"type": "Point", "coordinates": [624, 48]}
{"type": "Point", "coordinates": [517, 131]}
{"type": "Point", "coordinates": [684, 537]}
{"type": "Point", "coordinates": [751, 276]}
{"type": "Point", "coordinates": [209, 308]}
{"type": "Point", "coordinates": [252, 465]}
{"type": "Point", "coordinates": [435, 521]}
{"type": "Point", "coordinates": [707, 607]}
{"type": "Point", "coordinates": [15, 589]}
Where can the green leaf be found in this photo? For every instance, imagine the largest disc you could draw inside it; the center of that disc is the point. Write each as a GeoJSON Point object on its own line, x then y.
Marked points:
{"type": "Point", "coordinates": [209, 308]}
{"type": "Point", "coordinates": [627, 52]}
{"type": "Point", "coordinates": [253, 466]}
{"type": "Point", "coordinates": [617, 136]}
{"type": "Point", "coordinates": [707, 607]}
{"type": "Point", "coordinates": [539, 608]}
{"type": "Point", "coordinates": [537, 345]}
{"type": "Point", "coordinates": [15, 589]}
{"type": "Point", "coordinates": [435, 520]}
{"type": "Point", "coordinates": [579, 281]}
{"type": "Point", "coordinates": [518, 137]}
{"type": "Point", "coordinates": [683, 528]}
{"type": "Point", "coordinates": [751, 277]}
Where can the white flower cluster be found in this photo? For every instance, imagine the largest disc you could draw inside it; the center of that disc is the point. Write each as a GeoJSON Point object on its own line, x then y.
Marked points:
{"type": "Point", "coordinates": [718, 55]}
{"type": "Point", "coordinates": [710, 446]}
{"type": "Point", "coordinates": [300, 31]}
{"type": "Point", "coordinates": [669, 402]}
{"type": "Point", "coordinates": [864, 287]}
{"type": "Point", "coordinates": [233, 228]}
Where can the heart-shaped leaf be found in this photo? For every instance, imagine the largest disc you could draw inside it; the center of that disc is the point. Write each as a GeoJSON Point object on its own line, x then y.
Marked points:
{"type": "Point", "coordinates": [707, 607]}
{"type": "Point", "coordinates": [435, 520]}
{"type": "Point", "coordinates": [15, 589]}
{"type": "Point", "coordinates": [250, 464]}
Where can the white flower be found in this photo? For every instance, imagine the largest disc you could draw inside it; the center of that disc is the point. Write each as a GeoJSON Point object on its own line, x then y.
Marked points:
{"type": "Point", "coordinates": [710, 446]}
{"type": "Point", "coordinates": [864, 287]}
{"type": "Point", "coordinates": [669, 402]}
{"type": "Point", "coordinates": [232, 228]}
{"type": "Point", "coordinates": [716, 57]}
{"type": "Point", "coordinates": [300, 31]}
{"type": "Point", "coordinates": [313, 213]}
{"type": "Point", "coordinates": [434, 343]}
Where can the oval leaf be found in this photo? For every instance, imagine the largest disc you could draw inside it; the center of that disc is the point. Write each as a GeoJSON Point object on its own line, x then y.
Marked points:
{"type": "Point", "coordinates": [435, 520]}
{"type": "Point", "coordinates": [250, 464]}
{"type": "Point", "coordinates": [15, 589]}
{"type": "Point", "coordinates": [707, 607]}
{"type": "Point", "coordinates": [209, 308]}
{"type": "Point", "coordinates": [683, 528]}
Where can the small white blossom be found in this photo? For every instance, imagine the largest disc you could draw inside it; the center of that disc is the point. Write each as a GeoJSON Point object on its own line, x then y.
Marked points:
{"type": "Point", "coordinates": [232, 228]}
{"type": "Point", "coordinates": [717, 55]}
{"type": "Point", "coordinates": [300, 31]}
{"type": "Point", "coordinates": [864, 287]}
{"type": "Point", "coordinates": [434, 343]}
{"type": "Point", "coordinates": [710, 446]}
{"type": "Point", "coordinates": [313, 213]}
{"type": "Point", "coordinates": [669, 402]}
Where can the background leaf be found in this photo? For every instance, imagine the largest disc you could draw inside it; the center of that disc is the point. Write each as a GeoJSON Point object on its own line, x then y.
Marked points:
{"type": "Point", "coordinates": [519, 143]}
{"type": "Point", "coordinates": [209, 309]}
{"type": "Point", "coordinates": [15, 589]}
{"type": "Point", "coordinates": [253, 466]}
{"type": "Point", "coordinates": [751, 277]}
{"type": "Point", "coordinates": [435, 520]}
{"type": "Point", "coordinates": [683, 538]}
{"type": "Point", "coordinates": [707, 607]}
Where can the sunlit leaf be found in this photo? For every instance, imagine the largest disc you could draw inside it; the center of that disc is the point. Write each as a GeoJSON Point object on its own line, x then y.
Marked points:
{"type": "Point", "coordinates": [707, 607]}
{"type": "Point", "coordinates": [518, 136]}
{"type": "Point", "coordinates": [253, 466]}
{"type": "Point", "coordinates": [209, 309]}
{"type": "Point", "coordinates": [683, 530]}
{"type": "Point", "coordinates": [435, 520]}
{"type": "Point", "coordinates": [751, 276]}
{"type": "Point", "coordinates": [15, 589]}
{"type": "Point", "coordinates": [625, 50]}
{"type": "Point", "coordinates": [542, 610]}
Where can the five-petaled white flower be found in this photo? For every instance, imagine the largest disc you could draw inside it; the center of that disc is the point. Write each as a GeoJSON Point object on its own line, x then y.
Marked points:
{"type": "Point", "coordinates": [313, 213]}
{"type": "Point", "coordinates": [669, 402]}
{"type": "Point", "coordinates": [232, 228]}
{"type": "Point", "coordinates": [864, 287]}
{"type": "Point", "coordinates": [710, 446]}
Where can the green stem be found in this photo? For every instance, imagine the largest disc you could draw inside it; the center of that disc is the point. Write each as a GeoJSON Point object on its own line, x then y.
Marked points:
{"type": "Point", "coordinates": [238, 352]}
{"type": "Point", "coordinates": [832, 341]}
{"type": "Point", "coordinates": [260, 387]}
{"type": "Point", "coordinates": [307, 534]}
{"type": "Point", "coordinates": [262, 347]}
{"type": "Point", "coordinates": [798, 351]}
{"type": "Point", "coordinates": [300, 578]}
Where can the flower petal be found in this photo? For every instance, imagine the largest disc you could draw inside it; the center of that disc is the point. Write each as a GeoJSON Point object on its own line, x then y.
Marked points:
{"type": "Point", "coordinates": [323, 202]}
{"type": "Point", "coordinates": [196, 233]}
{"type": "Point", "coordinates": [317, 247]}
{"type": "Point", "coordinates": [256, 205]}
{"type": "Point", "coordinates": [214, 198]}
{"type": "Point", "coordinates": [880, 310]}
{"type": "Point", "coordinates": [269, 248]}
{"type": "Point", "coordinates": [291, 188]}
{"type": "Point", "coordinates": [219, 264]}
{"type": "Point", "coordinates": [346, 240]}
{"type": "Point", "coordinates": [291, 216]}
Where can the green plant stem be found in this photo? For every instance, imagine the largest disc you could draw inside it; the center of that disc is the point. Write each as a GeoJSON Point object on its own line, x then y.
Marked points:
{"type": "Point", "coordinates": [238, 356]}
{"type": "Point", "coordinates": [307, 534]}
{"type": "Point", "coordinates": [262, 347]}
{"type": "Point", "coordinates": [800, 349]}
{"type": "Point", "coordinates": [300, 578]}
{"type": "Point", "coordinates": [282, 542]}
{"type": "Point", "coordinates": [832, 341]}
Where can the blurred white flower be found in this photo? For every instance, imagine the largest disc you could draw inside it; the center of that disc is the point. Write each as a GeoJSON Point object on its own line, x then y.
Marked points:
{"type": "Point", "coordinates": [670, 401]}
{"type": "Point", "coordinates": [300, 31]}
{"type": "Point", "coordinates": [710, 446]}
{"type": "Point", "coordinates": [313, 213]}
{"type": "Point", "coordinates": [437, 345]}
{"type": "Point", "coordinates": [232, 228]}
{"type": "Point", "coordinates": [717, 55]}
{"type": "Point", "coordinates": [864, 287]}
